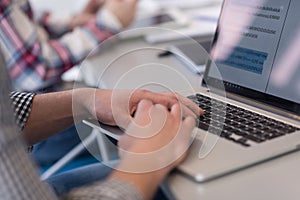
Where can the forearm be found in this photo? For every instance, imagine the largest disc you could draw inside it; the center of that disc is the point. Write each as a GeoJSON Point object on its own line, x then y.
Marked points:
{"type": "Point", "coordinates": [52, 113]}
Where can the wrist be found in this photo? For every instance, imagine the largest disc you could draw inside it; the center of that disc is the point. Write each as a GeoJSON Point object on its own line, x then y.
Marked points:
{"type": "Point", "coordinates": [82, 102]}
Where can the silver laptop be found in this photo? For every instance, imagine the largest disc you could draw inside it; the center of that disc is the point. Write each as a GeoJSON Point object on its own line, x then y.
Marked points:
{"type": "Point", "coordinates": [253, 102]}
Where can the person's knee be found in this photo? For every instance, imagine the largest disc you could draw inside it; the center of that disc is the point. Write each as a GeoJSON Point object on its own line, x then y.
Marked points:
{"type": "Point", "coordinates": [65, 182]}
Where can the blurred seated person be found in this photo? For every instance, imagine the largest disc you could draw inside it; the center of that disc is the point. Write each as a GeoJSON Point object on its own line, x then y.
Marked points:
{"type": "Point", "coordinates": [39, 48]}
{"type": "Point", "coordinates": [35, 60]}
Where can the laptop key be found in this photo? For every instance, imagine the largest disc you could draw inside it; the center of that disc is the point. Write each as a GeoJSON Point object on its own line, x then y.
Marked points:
{"type": "Point", "coordinates": [203, 125]}
{"type": "Point", "coordinates": [271, 136]}
{"type": "Point", "coordinates": [238, 125]}
{"type": "Point", "coordinates": [254, 138]}
{"type": "Point", "coordinates": [239, 132]}
{"type": "Point", "coordinates": [243, 142]}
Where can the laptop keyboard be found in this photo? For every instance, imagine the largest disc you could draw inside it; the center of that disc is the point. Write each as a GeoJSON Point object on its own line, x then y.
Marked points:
{"type": "Point", "coordinates": [238, 125]}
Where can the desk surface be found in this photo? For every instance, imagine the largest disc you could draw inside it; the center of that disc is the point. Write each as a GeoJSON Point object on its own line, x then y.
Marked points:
{"type": "Point", "coordinates": [121, 65]}
{"type": "Point", "coordinates": [277, 179]}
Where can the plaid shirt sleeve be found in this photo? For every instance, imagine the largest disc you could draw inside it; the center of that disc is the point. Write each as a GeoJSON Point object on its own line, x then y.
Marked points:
{"type": "Point", "coordinates": [34, 60]}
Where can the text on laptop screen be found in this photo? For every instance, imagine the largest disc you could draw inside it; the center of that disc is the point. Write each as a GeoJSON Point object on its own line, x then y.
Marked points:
{"type": "Point", "coordinates": [256, 47]}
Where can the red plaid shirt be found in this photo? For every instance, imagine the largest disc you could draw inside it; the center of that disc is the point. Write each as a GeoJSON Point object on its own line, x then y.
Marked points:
{"type": "Point", "coordinates": [34, 60]}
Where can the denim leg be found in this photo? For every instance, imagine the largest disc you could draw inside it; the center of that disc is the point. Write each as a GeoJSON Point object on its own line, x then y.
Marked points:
{"type": "Point", "coordinates": [49, 151]}
{"type": "Point", "coordinates": [65, 182]}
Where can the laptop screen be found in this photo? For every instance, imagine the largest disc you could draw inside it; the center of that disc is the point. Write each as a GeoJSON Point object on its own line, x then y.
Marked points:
{"type": "Point", "coordinates": [256, 51]}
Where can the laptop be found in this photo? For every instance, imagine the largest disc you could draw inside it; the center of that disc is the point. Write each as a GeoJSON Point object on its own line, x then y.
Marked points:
{"type": "Point", "coordinates": [251, 90]}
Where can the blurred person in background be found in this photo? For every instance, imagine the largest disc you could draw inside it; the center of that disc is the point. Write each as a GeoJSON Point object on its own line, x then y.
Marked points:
{"type": "Point", "coordinates": [38, 48]}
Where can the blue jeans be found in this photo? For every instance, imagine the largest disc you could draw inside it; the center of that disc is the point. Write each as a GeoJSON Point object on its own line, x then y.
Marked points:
{"type": "Point", "coordinates": [52, 149]}
{"type": "Point", "coordinates": [65, 182]}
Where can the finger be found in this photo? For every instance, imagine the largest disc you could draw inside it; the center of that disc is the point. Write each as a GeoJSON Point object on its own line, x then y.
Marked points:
{"type": "Point", "coordinates": [155, 98]}
{"type": "Point", "coordinates": [169, 99]}
{"type": "Point", "coordinates": [161, 98]}
{"type": "Point", "coordinates": [142, 115]}
{"type": "Point", "coordinates": [183, 139]}
{"type": "Point", "coordinates": [173, 98]}
{"type": "Point", "coordinates": [187, 112]}
{"type": "Point", "coordinates": [176, 111]}
{"type": "Point", "coordinates": [189, 124]}
{"type": "Point", "coordinates": [149, 120]}
{"type": "Point", "coordinates": [181, 111]}
{"type": "Point", "coordinates": [159, 111]}
{"type": "Point", "coordinates": [187, 128]}
{"type": "Point", "coordinates": [190, 104]}
{"type": "Point", "coordinates": [159, 114]}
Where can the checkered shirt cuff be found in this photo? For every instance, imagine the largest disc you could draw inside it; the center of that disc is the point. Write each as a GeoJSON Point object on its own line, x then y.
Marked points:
{"type": "Point", "coordinates": [22, 106]}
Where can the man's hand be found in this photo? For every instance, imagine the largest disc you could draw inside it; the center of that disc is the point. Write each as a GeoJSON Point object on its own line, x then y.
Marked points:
{"type": "Point", "coordinates": [124, 10]}
{"type": "Point", "coordinates": [158, 138]}
{"type": "Point", "coordinates": [88, 13]}
{"type": "Point", "coordinates": [119, 106]}
{"type": "Point", "coordinates": [157, 141]}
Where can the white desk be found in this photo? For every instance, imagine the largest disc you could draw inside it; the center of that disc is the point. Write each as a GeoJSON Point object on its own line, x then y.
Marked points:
{"type": "Point", "coordinates": [278, 179]}
{"type": "Point", "coordinates": [122, 62]}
